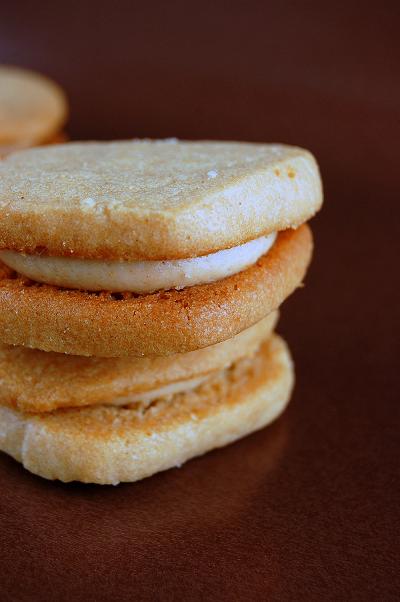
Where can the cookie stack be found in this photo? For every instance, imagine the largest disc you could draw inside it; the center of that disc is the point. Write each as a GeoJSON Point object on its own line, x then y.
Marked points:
{"type": "Point", "coordinates": [139, 288]}
{"type": "Point", "coordinates": [33, 110]}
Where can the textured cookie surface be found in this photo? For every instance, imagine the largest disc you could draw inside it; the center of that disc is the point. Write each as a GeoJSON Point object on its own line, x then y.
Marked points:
{"type": "Point", "coordinates": [52, 319]}
{"type": "Point", "coordinates": [108, 445]}
{"type": "Point", "coordinates": [36, 381]}
{"type": "Point", "coordinates": [32, 108]}
{"type": "Point", "coordinates": [152, 199]}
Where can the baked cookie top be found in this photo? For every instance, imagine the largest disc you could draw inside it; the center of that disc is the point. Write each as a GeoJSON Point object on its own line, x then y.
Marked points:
{"type": "Point", "coordinates": [32, 107]}
{"type": "Point", "coordinates": [145, 199]}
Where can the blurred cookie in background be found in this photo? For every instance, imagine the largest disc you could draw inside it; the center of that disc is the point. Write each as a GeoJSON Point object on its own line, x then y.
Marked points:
{"type": "Point", "coordinates": [33, 110]}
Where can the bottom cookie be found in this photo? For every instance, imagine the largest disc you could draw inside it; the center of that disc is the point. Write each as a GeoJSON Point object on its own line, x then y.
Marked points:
{"type": "Point", "coordinates": [107, 445]}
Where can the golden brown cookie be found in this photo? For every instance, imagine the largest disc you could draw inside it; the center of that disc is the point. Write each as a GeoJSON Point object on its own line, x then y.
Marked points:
{"type": "Point", "coordinates": [163, 323]}
{"type": "Point", "coordinates": [152, 199]}
{"type": "Point", "coordinates": [32, 108]}
{"type": "Point", "coordinates": [108, 445]}
{"type": "Point", "coordinates": [37, 381]}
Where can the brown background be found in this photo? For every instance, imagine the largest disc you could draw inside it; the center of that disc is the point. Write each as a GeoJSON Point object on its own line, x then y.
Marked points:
{"type": "Point", "coordinates": [308, 508]}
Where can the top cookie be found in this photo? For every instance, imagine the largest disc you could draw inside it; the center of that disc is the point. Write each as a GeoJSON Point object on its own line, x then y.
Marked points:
{"type": "Point", "coordinates": [152, 199]}
{"type": "Point", "coordinates": [32, 107]}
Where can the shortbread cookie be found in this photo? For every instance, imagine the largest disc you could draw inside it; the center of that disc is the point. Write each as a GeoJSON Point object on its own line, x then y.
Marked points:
{"type": "Point", "coordinates": [32, 109]}
{"type": "Point", "coordinates": [158, 200]}
{"type": "Point", "coordinates": [36, 381]}
{"type": "Point", "coordinates": [107, 325]}
{"type": "Point", "coordinates": [108, 444]}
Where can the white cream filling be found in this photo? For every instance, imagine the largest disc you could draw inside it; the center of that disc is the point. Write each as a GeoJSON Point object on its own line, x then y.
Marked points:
{"type": "Point", "coordinates": [137, 276]}
{"type": "Point", "coordinates": [164, 391]}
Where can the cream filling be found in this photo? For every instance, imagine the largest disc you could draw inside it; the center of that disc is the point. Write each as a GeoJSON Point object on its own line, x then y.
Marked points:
{"type": "Point", "coordinates": [137, 276]}
{"type": "Point", "coordinates": [147, 397]}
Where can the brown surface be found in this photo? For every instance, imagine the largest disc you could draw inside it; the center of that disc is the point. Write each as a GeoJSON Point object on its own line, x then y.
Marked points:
{"type": "Point", "coordinates": [308, 508]}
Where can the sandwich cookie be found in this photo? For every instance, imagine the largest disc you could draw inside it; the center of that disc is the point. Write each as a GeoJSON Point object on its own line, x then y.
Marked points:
{"type": "Point", "coordinates": [33, 109]}
{"type": "Point", "coordinates": [150, 247]}
{"type": "Point", "coordinates": [107, 445]}
{"type": "Point", "coordinates": [163, 323]}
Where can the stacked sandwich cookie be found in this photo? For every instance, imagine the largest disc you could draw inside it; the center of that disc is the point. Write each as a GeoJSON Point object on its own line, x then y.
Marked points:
{"type": "Point", "coordinates": [33, 110]}
{"type": "Point", "coordinates": [139, 289]}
